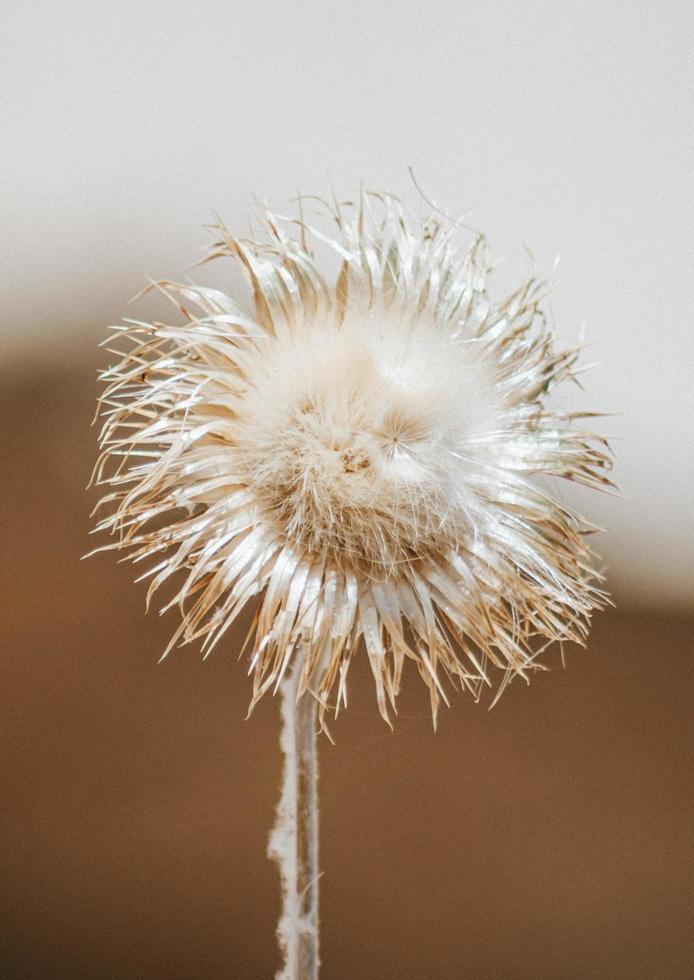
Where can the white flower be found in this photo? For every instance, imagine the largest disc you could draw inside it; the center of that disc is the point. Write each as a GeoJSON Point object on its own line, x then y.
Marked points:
{"type": "Point", "coordinates": [359, 453]}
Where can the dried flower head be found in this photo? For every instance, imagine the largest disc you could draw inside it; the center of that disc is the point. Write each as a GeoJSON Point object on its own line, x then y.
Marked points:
{"type": "Point", "coordinates": [359, 452]}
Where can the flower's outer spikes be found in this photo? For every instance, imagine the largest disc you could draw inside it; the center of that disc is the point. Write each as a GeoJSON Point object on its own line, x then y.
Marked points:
{"type": "Point", "coordinates": [359, 453]}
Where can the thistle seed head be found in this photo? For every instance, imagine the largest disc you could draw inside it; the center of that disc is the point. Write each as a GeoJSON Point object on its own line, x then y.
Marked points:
{"type": "Point", "coordinates": [359, 454]}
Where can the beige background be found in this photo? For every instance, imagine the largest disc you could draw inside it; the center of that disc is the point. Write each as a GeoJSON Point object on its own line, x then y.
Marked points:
{"type": "Point", "coordinates": [563, 127]}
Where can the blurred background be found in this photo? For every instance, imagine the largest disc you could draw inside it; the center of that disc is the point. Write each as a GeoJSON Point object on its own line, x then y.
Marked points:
{"type": "Point", "coordinates": [550, 837]}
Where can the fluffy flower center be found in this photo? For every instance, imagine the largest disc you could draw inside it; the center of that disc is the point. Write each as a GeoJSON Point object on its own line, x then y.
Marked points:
{"type": "Point", "coordinates": [350, 437]}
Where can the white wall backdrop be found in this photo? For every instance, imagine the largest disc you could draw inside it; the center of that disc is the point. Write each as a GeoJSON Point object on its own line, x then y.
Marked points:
{"type": "Point", "coordinates": [564, 127]}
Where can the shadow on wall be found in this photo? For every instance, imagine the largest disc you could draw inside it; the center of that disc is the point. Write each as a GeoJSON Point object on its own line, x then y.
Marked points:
{"type": "Point", "coordinates": [550, 837]}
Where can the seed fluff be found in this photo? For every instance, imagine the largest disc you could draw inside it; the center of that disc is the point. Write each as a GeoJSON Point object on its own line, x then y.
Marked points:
{"type": "Point", "coordinates": [362, 453]}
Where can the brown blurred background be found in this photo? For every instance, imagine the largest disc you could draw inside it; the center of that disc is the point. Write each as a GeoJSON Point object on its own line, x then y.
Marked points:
{"type": "Point", "coordinates": [548, 838]}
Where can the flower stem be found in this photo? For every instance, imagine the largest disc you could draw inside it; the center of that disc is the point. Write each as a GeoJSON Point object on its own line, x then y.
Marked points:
{"type": "Point", "coordinates": [294, 838]}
